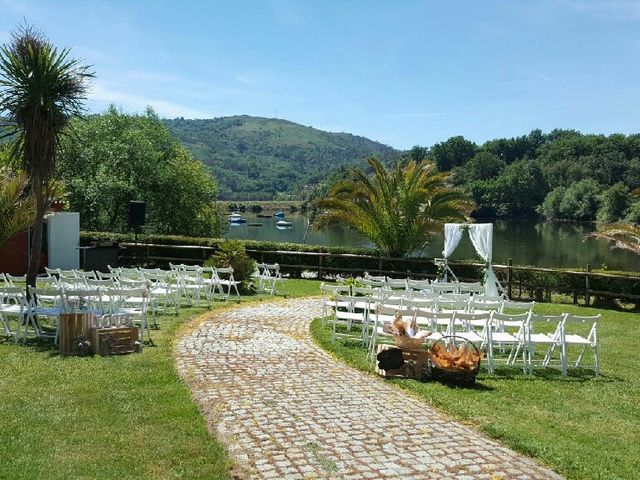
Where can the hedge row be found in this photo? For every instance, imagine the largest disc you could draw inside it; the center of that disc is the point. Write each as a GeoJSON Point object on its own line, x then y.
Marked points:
{"type": "Point", "coordinates": [87, 238]}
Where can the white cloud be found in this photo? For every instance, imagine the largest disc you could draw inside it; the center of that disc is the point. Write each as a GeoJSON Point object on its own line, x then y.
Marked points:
{"type": "Point", "coordinates": [104, 94]}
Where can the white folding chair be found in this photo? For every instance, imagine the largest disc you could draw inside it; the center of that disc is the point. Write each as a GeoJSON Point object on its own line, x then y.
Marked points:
{"type": "Point", "coordinates": [581, 332]}
{"type": "Point", "coordinates": [438, 323]}
{"type": "Point", "coordinates": [484, 306]}
{"type": "Point", "coordinates": [474, 288]}
{"type": "Point", "coordinates": [225, 279]}
{"type": "Point", "coordinates": [396, 284]}
{"type": "Point", "coordinates": [414, 286]}
{"type": "Point", "coordinates": [544, 331]}
{"type": "Point", "coordinates": [328, 296]}
{"type": "Point", "coordinates": [45, 303]}
{"type": "Point", "coordinates": [131, 303]}
{"type": "Point", "coordinates": [383, 315]}
{"type": "Point", "coordinates": [452, 305]}
{"type": "Point", "coordinates": [13, 304]}
{"type": "Point", "coordinates": [508, 330]}
{"type": "Point", "coordinates": [344, 314]}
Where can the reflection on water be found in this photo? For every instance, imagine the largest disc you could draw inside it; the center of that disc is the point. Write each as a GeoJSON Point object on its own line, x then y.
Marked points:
{"type": "Point", "coordinates": [545, 244]}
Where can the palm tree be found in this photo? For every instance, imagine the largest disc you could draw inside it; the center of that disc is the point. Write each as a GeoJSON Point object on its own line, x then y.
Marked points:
{"type": "Point", "coordinates": [624, 236]}
{"type": "Point", "coordinates": [17, 208]}
{"type": "Point", "coordinates": [41, 90]}
{"type": "Point", "coordinates": [397, 209]}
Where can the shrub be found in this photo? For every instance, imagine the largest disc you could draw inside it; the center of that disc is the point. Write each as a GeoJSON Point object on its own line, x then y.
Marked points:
{"type": "Point", "coordinates": [232, 253]}
{"type": "Point", "coordinates": [615, 203]}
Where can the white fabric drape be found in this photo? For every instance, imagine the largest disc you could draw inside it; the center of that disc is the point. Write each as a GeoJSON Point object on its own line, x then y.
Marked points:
{"type": "Point", "coordinates": [452, 237]}
{"type": "Point", "coordinates": [481, 235]}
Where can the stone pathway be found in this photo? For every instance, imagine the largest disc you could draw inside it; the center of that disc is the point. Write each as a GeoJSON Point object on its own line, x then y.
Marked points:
{"type": "Point", "coordinates": [287, 410]}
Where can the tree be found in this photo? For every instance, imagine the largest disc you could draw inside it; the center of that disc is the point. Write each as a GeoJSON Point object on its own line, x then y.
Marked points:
{"type": "Point", "coordinates": [114, 158]}
{"type": "Point", "coordinates": [41, 90]}
{"type": "Point", "coordinates": [615, 202]}
{"type": "Point", "coordinates": [518, 190]}
{"type": "Point", "coordinates": [550, 208]}
{"type": "Point", "coordinates": [483, 166]}
{"type": "Point", "coordinates": [580, 201]}
{"type": "Point", "coordinates": [455, 151]}
{"type": "Point", "coordinates": [17, 206]}
{"type": "Point", "coordinates": [397, 209]}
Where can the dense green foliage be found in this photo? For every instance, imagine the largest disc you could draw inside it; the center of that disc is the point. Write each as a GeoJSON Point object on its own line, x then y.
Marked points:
{"type": "Point", "coordinates": [114, 158]}
{"type": "Point", "coordinates": [268, 158]}
{"type": "Point", "coordinates": [397, 208]}
{"type": "Point", "coordinates": [232, 253]}
{"type": "Point", "coordinates": [562, 174]}
{"type": "Point", "coordinates": [584, 427]}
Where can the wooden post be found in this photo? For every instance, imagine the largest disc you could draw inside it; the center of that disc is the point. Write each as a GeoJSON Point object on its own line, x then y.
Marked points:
{"type": "Point", "coordinates": [509, 270]}
{"type": "Point", "coordinates": [320, 257]}
{"type": "Point", "coordinates": [587, 287]}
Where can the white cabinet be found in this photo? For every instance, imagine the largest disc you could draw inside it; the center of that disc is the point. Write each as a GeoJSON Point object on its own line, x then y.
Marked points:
{"type": "Point", "coordinates": [63, 240]}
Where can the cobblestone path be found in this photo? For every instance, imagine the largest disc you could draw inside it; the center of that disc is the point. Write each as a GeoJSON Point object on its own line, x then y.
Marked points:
{"type": "Point", "coordinates": [287, 410]}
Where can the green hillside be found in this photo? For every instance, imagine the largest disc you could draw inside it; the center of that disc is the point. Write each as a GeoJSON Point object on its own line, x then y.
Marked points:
{"type": "Point", "coordinates": [266, 158]}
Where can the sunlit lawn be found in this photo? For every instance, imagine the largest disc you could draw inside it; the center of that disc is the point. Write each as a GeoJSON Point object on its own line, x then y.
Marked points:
{"type": "Point", "coordinates": [107, 417]}
{"type": "Point", "coordinates": [583, 427]}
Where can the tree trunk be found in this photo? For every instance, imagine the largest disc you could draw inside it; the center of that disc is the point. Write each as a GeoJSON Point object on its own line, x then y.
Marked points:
{"type": "Point", "coordinates": [36, 235]}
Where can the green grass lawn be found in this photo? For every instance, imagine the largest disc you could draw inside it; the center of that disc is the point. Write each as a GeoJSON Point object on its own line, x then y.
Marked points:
{"type": "Point", "coordinates": [107, 417]}
{"type": "Point", "coordinates": [583, 427]}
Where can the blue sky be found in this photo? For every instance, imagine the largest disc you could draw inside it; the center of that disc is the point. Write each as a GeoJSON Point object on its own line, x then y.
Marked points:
{"type": "Point", "coordinates": [403, 72]}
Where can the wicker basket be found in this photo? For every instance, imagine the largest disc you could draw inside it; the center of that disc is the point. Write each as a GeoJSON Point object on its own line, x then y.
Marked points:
{"type": "Point", "coordinates": [456, 376]}
{"type": "Point", "coordinates": [408, 343]}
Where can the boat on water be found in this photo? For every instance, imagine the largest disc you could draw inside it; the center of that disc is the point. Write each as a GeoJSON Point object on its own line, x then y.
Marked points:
{"type": "Point", "coordinates": [284, 224]}
{"type": "Point", "coordinates": [279, 214]}
{"type": "Point", "coordinates": [254, 224]}
{"type": "Point", "coordinates": [263, 215]}
{"type": "Point", "coordinates": [236, 219]}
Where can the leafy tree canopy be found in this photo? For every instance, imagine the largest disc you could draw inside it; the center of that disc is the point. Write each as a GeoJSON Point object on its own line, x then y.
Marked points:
{"type": "Point", "coordinates": [115, 157]}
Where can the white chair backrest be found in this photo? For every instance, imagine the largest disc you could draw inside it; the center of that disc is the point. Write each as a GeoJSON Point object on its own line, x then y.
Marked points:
{"type": "Point", "coordinates": [471, 287]}
{"type": "Point", "coordinates": [444, 287]}
{"type": "Point", "coordinates": [177, 266]}
{"type": "Point", "coordinates": [420, 303]}
{"type": "Point", "coordinates": [515, 307]}
{"type": "Point", "coordinates": [365, 291]}
{"type": "Point", "coordinates": [488, 298]}
{"type": "Point", "coordinates": [47, 282]}
{"type": "Point", "coordinates": [505, 321]}
{"type": "Point", "coordinates": [335, 289]}
{"type": "Point", "coordinates": [391, 302]}
{"type": "Point", "coordinates": [546, 324]}
{"type": "Point", "coordinates": [452, 304]}
{"type": "Point", "coordinates": [12, 295]}
{"type": "Point", "coordinates": [460, 297]}
{"type": "Point", "coordinates": [105, 276]}
{"type": "Point", "coordinates": [129, 283]}
{"type": "Point", "coordinates": [82, 274]}
{"type": "Point", "coordinates": [106, 283]}
{"type": "Point", "coordinates": [380, 278]}
{"type": "Point", "coordinates": [475, 305]}
{"type": "Point", "coordinates": [372, 283]}
{"type": "Point", "coordinates": [396, 283]}
{"type": "Point", "coordinates": [13, 279]}
{"type": "Point", "coordinates": [577, 326]}
{"type": "Point", "coordinates": [417, 284]}
{"type": "Point", "coordinates": [435, 320]}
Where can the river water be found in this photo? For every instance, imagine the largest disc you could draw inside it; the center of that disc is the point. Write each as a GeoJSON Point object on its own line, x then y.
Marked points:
{"type": "Point", "coordinates": [543, 244]}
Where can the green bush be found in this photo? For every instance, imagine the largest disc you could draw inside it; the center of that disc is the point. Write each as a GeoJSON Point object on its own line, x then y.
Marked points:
{"type": "Point", "coordinates": [232, 253]}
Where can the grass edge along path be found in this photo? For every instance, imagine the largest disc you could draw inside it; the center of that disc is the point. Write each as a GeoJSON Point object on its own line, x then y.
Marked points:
{"type": "Point", "coordinates": [125, 416]}
{"type": "Point", "coordinates": [582, 427]}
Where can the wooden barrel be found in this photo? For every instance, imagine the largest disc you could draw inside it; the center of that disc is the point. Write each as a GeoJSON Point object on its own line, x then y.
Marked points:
{"type": "Point", "coordinates": [73, 325]}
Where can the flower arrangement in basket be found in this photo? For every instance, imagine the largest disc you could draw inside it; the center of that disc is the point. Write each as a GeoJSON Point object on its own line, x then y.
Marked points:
{"type": "Point", "coordinates": [405, 336]}
{"type": "Point", "coordinates": [455, 359]}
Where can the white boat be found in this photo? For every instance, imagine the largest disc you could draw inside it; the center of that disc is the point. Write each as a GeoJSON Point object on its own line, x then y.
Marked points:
{"type": "Point", "coordinates": [234, 215]}
{"type": "Point", "coordinates": [284, 224]}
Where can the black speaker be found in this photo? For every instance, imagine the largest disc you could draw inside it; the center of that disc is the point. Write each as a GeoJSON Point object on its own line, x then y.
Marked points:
{"type": "Point", "coordinates": [136, 213]}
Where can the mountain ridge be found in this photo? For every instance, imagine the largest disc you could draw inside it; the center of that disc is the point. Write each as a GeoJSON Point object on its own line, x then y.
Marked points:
{"type": "Point", "coordinates": [270, 158]}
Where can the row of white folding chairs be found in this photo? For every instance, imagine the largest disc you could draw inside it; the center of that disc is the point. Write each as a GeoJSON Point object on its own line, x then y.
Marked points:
{"type": "Point", "coordinates": [268, 276]}
{"type": "Point", "coordinates": [211, 278]}
{"type": "Point", "coordinates": [495, 332]}
{"type": "Point", "coordinates": [369, 298]}
{"type": "Point", "coordinates": [412, 285]}
{"type": "Point", "coordinates": [50, 303]}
